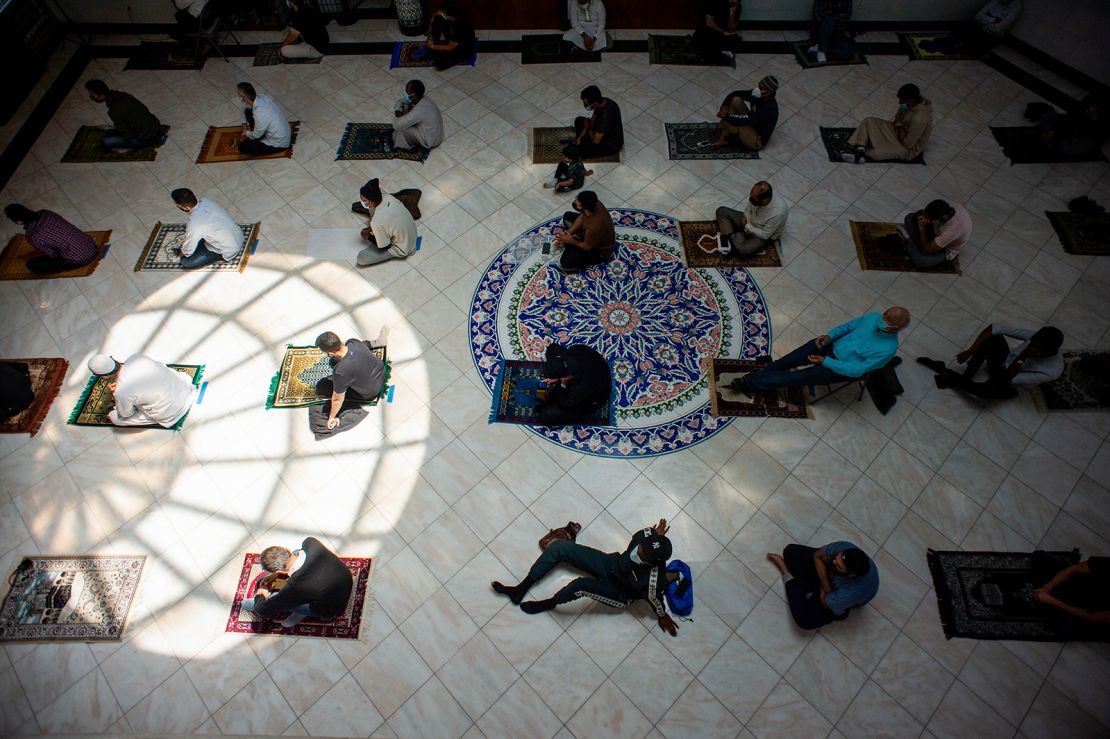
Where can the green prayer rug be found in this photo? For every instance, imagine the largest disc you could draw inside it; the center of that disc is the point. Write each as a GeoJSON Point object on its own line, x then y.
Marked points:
{"type": "Point", "coordinates": [96, 400]}
{"type": "Point", "coordinates": [679, 50]}
{"type": "Point", "coordinates": [809, 61]}
{"type": "Point", "coordinates": [87, 149]}
{"type": "Point", "coordinates": [294, 385]}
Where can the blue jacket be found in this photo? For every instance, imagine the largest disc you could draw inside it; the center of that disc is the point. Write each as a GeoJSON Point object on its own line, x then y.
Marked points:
{"type": "Point", "coordinates": [860, 346]}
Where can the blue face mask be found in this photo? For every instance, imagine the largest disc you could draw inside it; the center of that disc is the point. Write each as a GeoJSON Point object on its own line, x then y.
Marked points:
{"type": "Point", "coordinates": [903, 106]}
{"type": "Point", "coordinates": [407, 98]}
{"type": "Point", "coordinates": [634, 555]}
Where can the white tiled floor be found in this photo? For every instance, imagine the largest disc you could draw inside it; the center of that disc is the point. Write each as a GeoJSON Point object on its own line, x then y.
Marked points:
{"type": "Point", "coordinates": [445, 502]}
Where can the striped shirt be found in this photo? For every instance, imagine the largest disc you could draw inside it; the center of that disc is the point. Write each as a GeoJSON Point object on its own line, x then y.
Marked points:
{"type": "Point", "coordinates": [54, 236]}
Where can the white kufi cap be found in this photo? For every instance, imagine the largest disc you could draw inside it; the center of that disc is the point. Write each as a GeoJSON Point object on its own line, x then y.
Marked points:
{"type": "Point", "coordinates": [102, 364]}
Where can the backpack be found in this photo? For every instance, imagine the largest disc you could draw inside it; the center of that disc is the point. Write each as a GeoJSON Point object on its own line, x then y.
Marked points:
{"type": "Point", "coordinates": [680, 593]}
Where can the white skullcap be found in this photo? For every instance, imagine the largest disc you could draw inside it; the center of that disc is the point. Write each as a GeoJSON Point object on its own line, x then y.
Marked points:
{"type": "Point", "coordinates": [102, 364]}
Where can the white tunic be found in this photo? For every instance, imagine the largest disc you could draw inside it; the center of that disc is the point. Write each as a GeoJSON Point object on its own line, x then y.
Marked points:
{"type": "Point", "coordinates": [150, 392]}
{"type": "Point", "coordinates": [421, 126]}
{"type": "Point", "coordinates": [270, 125]}
{"type": "Point", "coordinates": [393, 227]}
{"type": "Point", "coordinates": [767, 221]}
{"type": "Point", "coordinates": [588, 19]}
{"type": "Point", "coordinates": [215, 225]}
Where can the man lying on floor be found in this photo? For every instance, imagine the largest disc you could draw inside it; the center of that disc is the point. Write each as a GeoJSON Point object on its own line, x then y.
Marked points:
{"type": "Point", "coordinates": [147, 392]}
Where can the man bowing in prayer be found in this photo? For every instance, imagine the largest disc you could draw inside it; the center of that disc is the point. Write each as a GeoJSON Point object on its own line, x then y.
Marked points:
{"type": "Point", "coordinates": [147, 392]}
{"type": "Point", "coordinates": [392, 231]}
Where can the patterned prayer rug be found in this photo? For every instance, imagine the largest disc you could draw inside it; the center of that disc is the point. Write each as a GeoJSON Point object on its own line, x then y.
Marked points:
{"type": "Point", "coordinates": [1084, 385]}
{"type": "Point", "coordinates": [549, 48]}
{"type": "Point", "coordinates": [13, 260]}
{"type": "Point", "coordinates": [989, 595]}
{"type": "Point", "coordinates": [375, 141]}
{"type": "Point", "coordinates": [221, 144]}
{"type": "Point", "coordinates": [548, 144]}
{"type": "Point", "coordinates": [693, 141]}
{"type": "Point", "coordinates": [161, 55]}
{"type": "Point", "coordinates": [268, 56]}
{"type": "Point", "coordinates": [679, 50]}
{"type": "Point", "coordinates": [294, 385]}
{"type": "Point", "coordinates": [880, 247]}
{"type": "Point", "coordinates": [783, 403]}
{"type": "Point", "coordinates": [83, 598]}
{"type": "Point", "coordinates": [96, 400]}
{"type": "Point", "coordinates": [691, 231]}
{"type": "Point", "coordinates": [943, 47]}
{"type": "Point", "coordinates": [836, 143]}
{"type": "Point", "coordinates": [47, 375]}
{"type": "Point", "coordinates": [520, 390]}
{"type": "Point", "coordinates": [1023, 145]}
{"type": "Point", "coordinates": [415, 54]}
{"type": "Point", "coordinates": [86, 148]}
{"type": "Point", "coordinates": [1081, 233]}
{"type": "Point", "coordinates": [345, 626]}
{"type": "Point", "coordinates": [162, 252]}
{"type": "Point", "coordinates": [809, 61]}
{"type": "Point", "coordinates": [659, 347]}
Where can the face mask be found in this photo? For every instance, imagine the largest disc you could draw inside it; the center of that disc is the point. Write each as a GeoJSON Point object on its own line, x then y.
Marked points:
{"type": "Point", "coordinates": [407, 98]}
{"type": "Point", "coordinates": [903, 106]}
{"type": "Point", "coordinates": [635, 557]}
{"type": "Point", "coordinates": [756, 93]}
{"type": "Point", "coordinates": [575, 206]}
{"type": "Point", "coordinates": [589, 108]}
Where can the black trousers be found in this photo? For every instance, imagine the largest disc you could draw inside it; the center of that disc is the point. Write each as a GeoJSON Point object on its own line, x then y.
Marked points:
{"type": "Point", "coordinates": [803, 592]}
{"type": "Point", "coordinates": [588, 149]}
{"type": "Point", "coordinates": [51, 265]}
{"type": "Point", "coordinates": [441, 32]}
{"type": "Point", "coordinates": [575, 259]}
{"type": "Point", "coordinates": [591, 561]}
{"type": "Point", "coordinates": [997, 386]}
{"type": "Point", "coordinates": [554, 414]}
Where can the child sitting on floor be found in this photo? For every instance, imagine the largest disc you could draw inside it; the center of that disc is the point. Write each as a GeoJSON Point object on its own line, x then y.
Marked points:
{"type": "Point", "coordinates": [571, 172]}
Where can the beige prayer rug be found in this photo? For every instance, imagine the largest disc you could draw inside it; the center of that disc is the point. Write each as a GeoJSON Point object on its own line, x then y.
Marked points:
{"type": "Point", "coordinates": [221, 144]}
{"type": "Point", "coordinates": [13, 260]}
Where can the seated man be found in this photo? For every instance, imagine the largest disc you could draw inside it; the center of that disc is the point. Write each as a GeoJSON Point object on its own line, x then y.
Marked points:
{"type": "Point", "coordinates": [133, 125]}
{"type": "Point", "coordinates": [904, 138]}
{"type": "Point", "coordinates": [588, 236]}
{"type": "Point", "coordinates": [829, 39]}
{"type": "Point", "coordinates": [147, 392]}
{"type": "Point", "coordinates": [187, 18]}
{"type": "Point", "coordinates": [419, 122]}
{"type": "Point", "coordinates": [392, 231]}
{"type": "Point", "coordinates": [1077, 134]}
{"type": "Point", "coordinates": [1037, 359]}
{"type": "Point", "coordinates": [358, 376]}
{"type": "Point", "coordinates": [749, 116]}
{"type": "Point", "coordinates": [579, 384]}
{"type": "Point", "coordinates": [16, 391]}
{"type": "Point", "coordinates": [718, 35]}
{"type": "Point", "coordinates": [1081, 595]}
{"type": "Point", "coordinates": [265, 129]}
{"type": "Point", "coordinates": [997, 16]}
{"type": "Point", "coordinates": [450, 36]}
{"type": "Point", "coordinates": [846, 352]}
{"type": "Point", "coordinates": [615, 579]}
{"type": "Point", "coordinates": [937, 233]}
{"type": "Point", "coordinates": [63, 245]}
{"type": "Point", "coordinates": [822, 585]}
{"type": "Point", "coordinates": [587, 25]}
{"type": "Point", "coordinates": [602, 134]}
{"type": "Point", "coordinates": [307, 34]}
{"type": "Point", "coordinates": [750, 232]}
{"type": "Point", "coordinates": [211, 233]}
{"type": "Point", "coordinates": [310, 582]}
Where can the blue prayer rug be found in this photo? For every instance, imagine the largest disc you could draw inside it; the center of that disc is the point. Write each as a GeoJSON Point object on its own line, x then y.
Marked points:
{"type": "Point", "coordinates": [658, 323]}
{"type": "Point", "coordinates": [415, 54]}
{"type": "Point", "coordinates": [520, 392]}
{"type": "Point", "coordinates": [374, 141]}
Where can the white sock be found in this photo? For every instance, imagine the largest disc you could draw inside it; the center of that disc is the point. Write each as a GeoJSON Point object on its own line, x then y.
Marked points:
{"type": "Point", "coordinates": [821, 58]}
{"type": "Point", "coordinates": [383, 337]}
{"type": "Point", "coordinates": [786, 577]}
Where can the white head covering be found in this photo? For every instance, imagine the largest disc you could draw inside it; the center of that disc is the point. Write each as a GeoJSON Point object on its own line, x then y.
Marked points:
{"type": "Point", "coordinates": [102, 364]}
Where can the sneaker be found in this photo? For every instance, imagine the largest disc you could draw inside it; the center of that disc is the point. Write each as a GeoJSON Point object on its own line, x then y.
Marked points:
{"type": "Point", "coordinates": [851, 157]}
{"type": "Point", "coordinates": [821, 58]}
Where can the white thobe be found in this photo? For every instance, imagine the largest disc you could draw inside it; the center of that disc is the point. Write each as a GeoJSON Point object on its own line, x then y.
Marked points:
{"type": "Point", "coordinates": [149, 392]}
{"type": "Point", "coordinates": [421, 126]}
{"type": "Point", "coordinates": [270, 124]}
{"type": "Point", "coordinates": [588, 19]}
{"type": "Point", "coordinates": [215, 225]}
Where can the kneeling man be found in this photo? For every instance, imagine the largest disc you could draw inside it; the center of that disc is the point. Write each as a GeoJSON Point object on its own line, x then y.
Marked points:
{"type": "Point", "coordinates": [392, 230]}
{"type": "Point", "coordinates": [578, 382]}
{"type": "Point", "coordinates": [147, 392]}
{"type": "Point", "coordinates": [316, 584]}
{"type": "Point", "coordinates": [211, 234]}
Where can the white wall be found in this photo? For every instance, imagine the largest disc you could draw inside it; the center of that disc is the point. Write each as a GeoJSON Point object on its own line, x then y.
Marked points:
{"type": "Point", "coordinates": [1073, 31]}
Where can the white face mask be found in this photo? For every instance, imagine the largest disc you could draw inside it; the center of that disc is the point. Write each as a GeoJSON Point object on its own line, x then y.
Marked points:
{"type": "Point", "coordinates": [635, 556]}
{"type": "Point", "coordinates": [756, 93]}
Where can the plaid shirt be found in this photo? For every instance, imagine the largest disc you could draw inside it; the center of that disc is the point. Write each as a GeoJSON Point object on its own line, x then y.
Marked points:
{"type": "Point", "coordinates": [839, 9]}
{"type": "Point", "coordinates": [54, 236]}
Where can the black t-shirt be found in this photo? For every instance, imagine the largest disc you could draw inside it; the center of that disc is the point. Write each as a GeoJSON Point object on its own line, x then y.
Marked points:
{"type": "Point", "coordinates": [312, 27]}
{"type": "Point", "coordinates": [1091, 592]}
{"type": "Point", "coordinates": [591, 383]}
{"type": "Point", "coordinates": [608, 122]}
{"type": "Point", "coordinates": [359, 371]}
{"type": "Point", "coordinates": [719, 9]}
{"type": "Point", "coordinates": [462, 32]}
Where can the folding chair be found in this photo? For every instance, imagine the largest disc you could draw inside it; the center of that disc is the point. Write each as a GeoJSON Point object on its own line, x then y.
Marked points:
{"type": "Point", "coordinates": [210, 26]}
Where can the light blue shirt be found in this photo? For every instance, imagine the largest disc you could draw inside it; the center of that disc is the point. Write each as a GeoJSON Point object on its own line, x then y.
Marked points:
{"type": "Point", "coordinates": [860, 346]}
{"type": "Point", "coordinates": [849, 592]}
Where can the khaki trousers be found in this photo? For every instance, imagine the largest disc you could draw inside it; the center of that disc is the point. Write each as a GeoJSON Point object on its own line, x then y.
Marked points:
{"type": "Point", "coordinates": [880, 139]}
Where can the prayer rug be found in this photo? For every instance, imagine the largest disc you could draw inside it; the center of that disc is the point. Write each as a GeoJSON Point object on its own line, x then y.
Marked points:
{"type": "Point", "coordinates": [1081, 233]}
{"type": "Point", "coordinates": [1084, 385]}
{"type": "Point", "coordinates": [989, 595]}
{"type": "Point", "coordinates": [84, 598]}
{"type": "Point", "coordinates": [221, 144]}
{"type": "Point", "coordinates": [294, 385]}
{"type": "Point", "coordinates": [375, 141]}
{"type": "Point", "coordinates": [658, 349]}
{"type": "Point", "coordinates": [679, 50]}
{"type": "Point", "coordinates": [836, 143]}
{"type": "Point", "coordinates": [783, 403]}
{"type": "Point", "coordinates": [943, 47]}
{"type": "Point", "coordinates": [520, 391]}
{"type": "Point", "coordinates": [415, 54]}
{"type": "Point", "coordinates": [1023, 145]}
{"type": "Point", "coordinates": [344, 626]}
{"type": "Point", "coordinates": [881, 248]}
{"type": "Point", "coordinates": [155, 55]}
{"type": "Point", "coordinates": [96, 400]}
{"type": "Point", "coordinates": [549, 48]}
{"type": "Point", "coordinates": [691, 231]}
{"type": "Point", "coordinates": [86, 148]}
{"type": "Point", "coordinates": [809, 61]}
{"type": "Point", "coordinates": [269, 56]}
{"type": "Point", "coordinates": [13, 260]}
{"type": "Point", "coordinates": [693, 141]}
{"type": "Point", "coordinates": [409, 197]}
{"type": "Point", "coordinates": [162, 252]}
{"type": "Point", "coordinates": [548, 144]}
{"type": "Point", "coordinates": [47, 375]}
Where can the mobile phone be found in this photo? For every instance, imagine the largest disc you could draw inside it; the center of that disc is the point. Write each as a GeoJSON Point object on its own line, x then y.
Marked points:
{"type": "Point", "coordinates": [546, 248]}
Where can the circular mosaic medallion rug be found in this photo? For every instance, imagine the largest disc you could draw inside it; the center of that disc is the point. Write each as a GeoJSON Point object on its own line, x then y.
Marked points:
{"type": "Point", "coordinates": [657, 322]}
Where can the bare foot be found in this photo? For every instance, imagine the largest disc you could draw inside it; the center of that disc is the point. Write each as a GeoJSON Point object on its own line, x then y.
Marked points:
{"type": "Point", "coordinates": [777, 561]}
{"type": "Point", "coordinates": [589, 173]}
{"type": "Point", "coordinates": [546, 186]}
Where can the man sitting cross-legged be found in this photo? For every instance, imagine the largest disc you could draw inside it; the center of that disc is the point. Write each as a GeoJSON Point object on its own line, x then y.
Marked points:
{"type": "Point", "coordinates": [588, 236]}
{"type": "Point", "coordinates": [419, 123]}
{"type": "Point", "coordinates": [903, 138]}
{"type": "Point", "coordinates": [822, 585]}
{"type": "Point", "coordinates": [211, 234]}
{"type": "Point", "coordinates": [358, 376]}
{"type": "Point", "coordinates": [316, 584]}
{"type": "Point", "coordinates": [750, 232]}
{"type": "Point", "coordinates": [749, 116]}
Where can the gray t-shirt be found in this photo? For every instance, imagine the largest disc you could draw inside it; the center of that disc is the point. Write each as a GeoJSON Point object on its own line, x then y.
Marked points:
{"type": "Point", "coordinates": [359, 372]}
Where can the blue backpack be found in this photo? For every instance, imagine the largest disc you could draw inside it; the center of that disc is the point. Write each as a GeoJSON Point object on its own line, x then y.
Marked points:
{"type": "Point", "coordinates": [680, 593]}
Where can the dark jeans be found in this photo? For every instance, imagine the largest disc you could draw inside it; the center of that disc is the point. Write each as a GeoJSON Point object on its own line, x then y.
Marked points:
{"type": "Point", "coordinates": [997, 386]}
{"type": "Point", "coordinates": [51, 265]}
{"type": "Point", "coordinates": [803, 592]}
{"type": "Point", "coordinates": [351, 399]}
{"type": "Point", "coordinates": [592, 562]}
{"type": "Point", "coordinates": [575, 259]}
{"type": "Point", "coordinates": [587, 149]}
{"type": "Point", "coordinates": [830, 38]}
{"type": "Point", "coordinates": [780, 373]}
{"type": "Point", "coordinates": [114, 140]}
{"type": "Point", "coordinates": [553, 414]}
{"type": "Point", "coordinates": [202, 256]}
